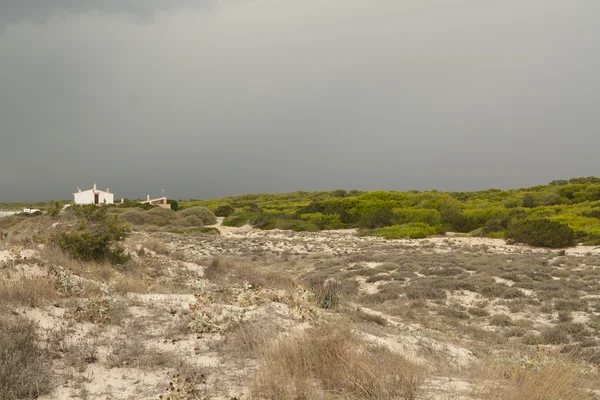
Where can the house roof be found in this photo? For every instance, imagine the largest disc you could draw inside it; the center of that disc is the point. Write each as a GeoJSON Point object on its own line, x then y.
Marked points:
{"type": "Point", "coordinates": [151, 200]}
{"type": "Point", "coordinates": [94, 190]}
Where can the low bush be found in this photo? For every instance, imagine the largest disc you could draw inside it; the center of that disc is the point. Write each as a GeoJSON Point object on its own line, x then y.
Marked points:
{"type": "Point", "coordinates": [238, 219]}
{"type": "Point", "coordinates": [224, 211]}
{"type": "Point", "coordinates": [174, 205]}
{"type": "Point", "coordinates": [97, 238]}
{"type": "Point", "coordinates": [541, 232]}
{"type": "Point", "coordinates": [134, 216]}
{"type": "Point", "coordinates": [204, 214]}
{"type": "Point", "coordinates": [378, 218]}
{"type": "Point", "coordinates": [414, 230]}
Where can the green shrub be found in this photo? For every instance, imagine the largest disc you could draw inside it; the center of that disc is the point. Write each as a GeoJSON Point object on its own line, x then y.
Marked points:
{"type": "Point", "coordinates": [238, 219]}
{"type": "Point", "coordinates": [541, 232]}
{"type": "Point", "coordinates": [204, 214]}
{"type": "Point", "coordinates": [415, 230]}
{"type": "Point", "coordinates": [224, 211]}
{"type": "Point", "coordinates": [260, 221]}
{"type": "Point", "coordinates": [295, 225]}
{"type": "Point", "coordinates": [96, 238]}
{"type": "Point", "coordinates": [378, 218]}
{"type": "Point", "coordinates": [323, 221]}
{"type": "Point", "coordinates": [174, 205]}
{"type": "Point", "coordinates": [134, 216]}
{"type": "Point", "coordinates": [425, 215]}
{"type": "Point", "coordinates": [55, 209]}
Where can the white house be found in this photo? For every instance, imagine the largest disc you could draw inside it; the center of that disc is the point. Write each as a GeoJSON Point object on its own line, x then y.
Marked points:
{"type": "Point", "coordinates": [94, 196]}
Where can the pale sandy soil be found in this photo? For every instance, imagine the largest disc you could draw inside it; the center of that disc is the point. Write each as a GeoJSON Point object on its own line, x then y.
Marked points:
{"type": "Point", "coordinates": [159, 318]}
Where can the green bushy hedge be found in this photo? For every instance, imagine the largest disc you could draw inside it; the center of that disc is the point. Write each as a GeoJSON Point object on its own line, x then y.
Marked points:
{"type": "Point", "coordinates": [541, 232]}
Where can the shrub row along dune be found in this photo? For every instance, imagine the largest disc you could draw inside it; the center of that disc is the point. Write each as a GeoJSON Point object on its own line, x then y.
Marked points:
{"type": "Point", "coordinates": [190, 217]}
{"type": "Point", "coordinates": [555, 215]}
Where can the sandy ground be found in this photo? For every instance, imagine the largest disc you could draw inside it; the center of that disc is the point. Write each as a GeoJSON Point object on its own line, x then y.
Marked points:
{"type": "Point", "coordinates": [153, 318]}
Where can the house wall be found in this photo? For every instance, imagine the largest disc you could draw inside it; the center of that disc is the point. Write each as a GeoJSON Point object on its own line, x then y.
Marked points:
{"type": "Point", "coordinates": [109, 197]}
{"type": "Point", "coordinates": [87, 197]}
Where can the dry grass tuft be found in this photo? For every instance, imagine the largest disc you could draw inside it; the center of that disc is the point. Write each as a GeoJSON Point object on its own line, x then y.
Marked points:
{"type": "Point", "coordinates": [24, 366]}
{"type": "Point", "coordinates": [32, 292]}
{"type": "Point", "coordinates": [132, 353]}
{"type": "Point", "coordinates": [156, 246]}
{"type": "Point", "coordinates": [536, 378]}
{"type": "Point", "coordinates": [217, 268]}
{"type": "Point", "coordinates": [332, 362]}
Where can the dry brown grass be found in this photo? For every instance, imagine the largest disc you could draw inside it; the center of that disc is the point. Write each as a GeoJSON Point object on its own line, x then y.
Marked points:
{"type": "Point", "coordinates": [331, 362]}
{"type": "Point", "coordinates": [359, 315]}
{"type": "Point", "coordinates": [132, 353]}
{"type": "Point", "coordinates": [130, 284]}
{"type": "Point", "coordinates": [157, 246]}
{"type": "Point", "coordinates": [247, 339]}
{"type": "Point", "coordinates": [29, 291]}
{"type": "Point", "coordinates": [538, 377]}
{"type": "Point", "coordinates": [24, 365]}
{"type": "Point", "coordinates": [217, 268]}
{"type": "Point", "coordinates": [53, 257]}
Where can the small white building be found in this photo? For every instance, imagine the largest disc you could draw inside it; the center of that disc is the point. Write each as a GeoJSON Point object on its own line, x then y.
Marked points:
{"type": "Point", "coordinates": [94, 196]}
{"type": "Point", "coordinates": [161, 202]}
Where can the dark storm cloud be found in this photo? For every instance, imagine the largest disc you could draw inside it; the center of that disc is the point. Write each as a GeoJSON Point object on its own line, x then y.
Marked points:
{"type": "Point", "coordinates": [14, 11]}
{"type": "Point", "coordinates": [278, 95]}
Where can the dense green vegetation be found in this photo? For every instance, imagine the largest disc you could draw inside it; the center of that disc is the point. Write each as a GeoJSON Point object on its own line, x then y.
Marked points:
{"type": "Point", "coordinates": [570, 209]}
{"type": "Point", "coordinates": [96, 236]}
{"type": "Point", "coordinates": [559, 214]}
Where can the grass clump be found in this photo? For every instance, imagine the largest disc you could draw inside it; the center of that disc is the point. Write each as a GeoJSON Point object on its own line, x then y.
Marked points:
{"type": "Point", "coordinates": [501, 320]}
{"type": "Point", "coordinates": [332, 360]}
{"type": "Point", "coordinates": [534, 377]}
{"type": "Point", "coordinates": [32, 291]}
{"type": "Point", "coordinates": [24, 365]}
{"type": "Point", "coordinates": [326, 291]}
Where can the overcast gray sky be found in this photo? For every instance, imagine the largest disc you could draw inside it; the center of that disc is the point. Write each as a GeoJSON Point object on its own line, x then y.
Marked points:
{"type": "Point", "coordinates": [208, 98]}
